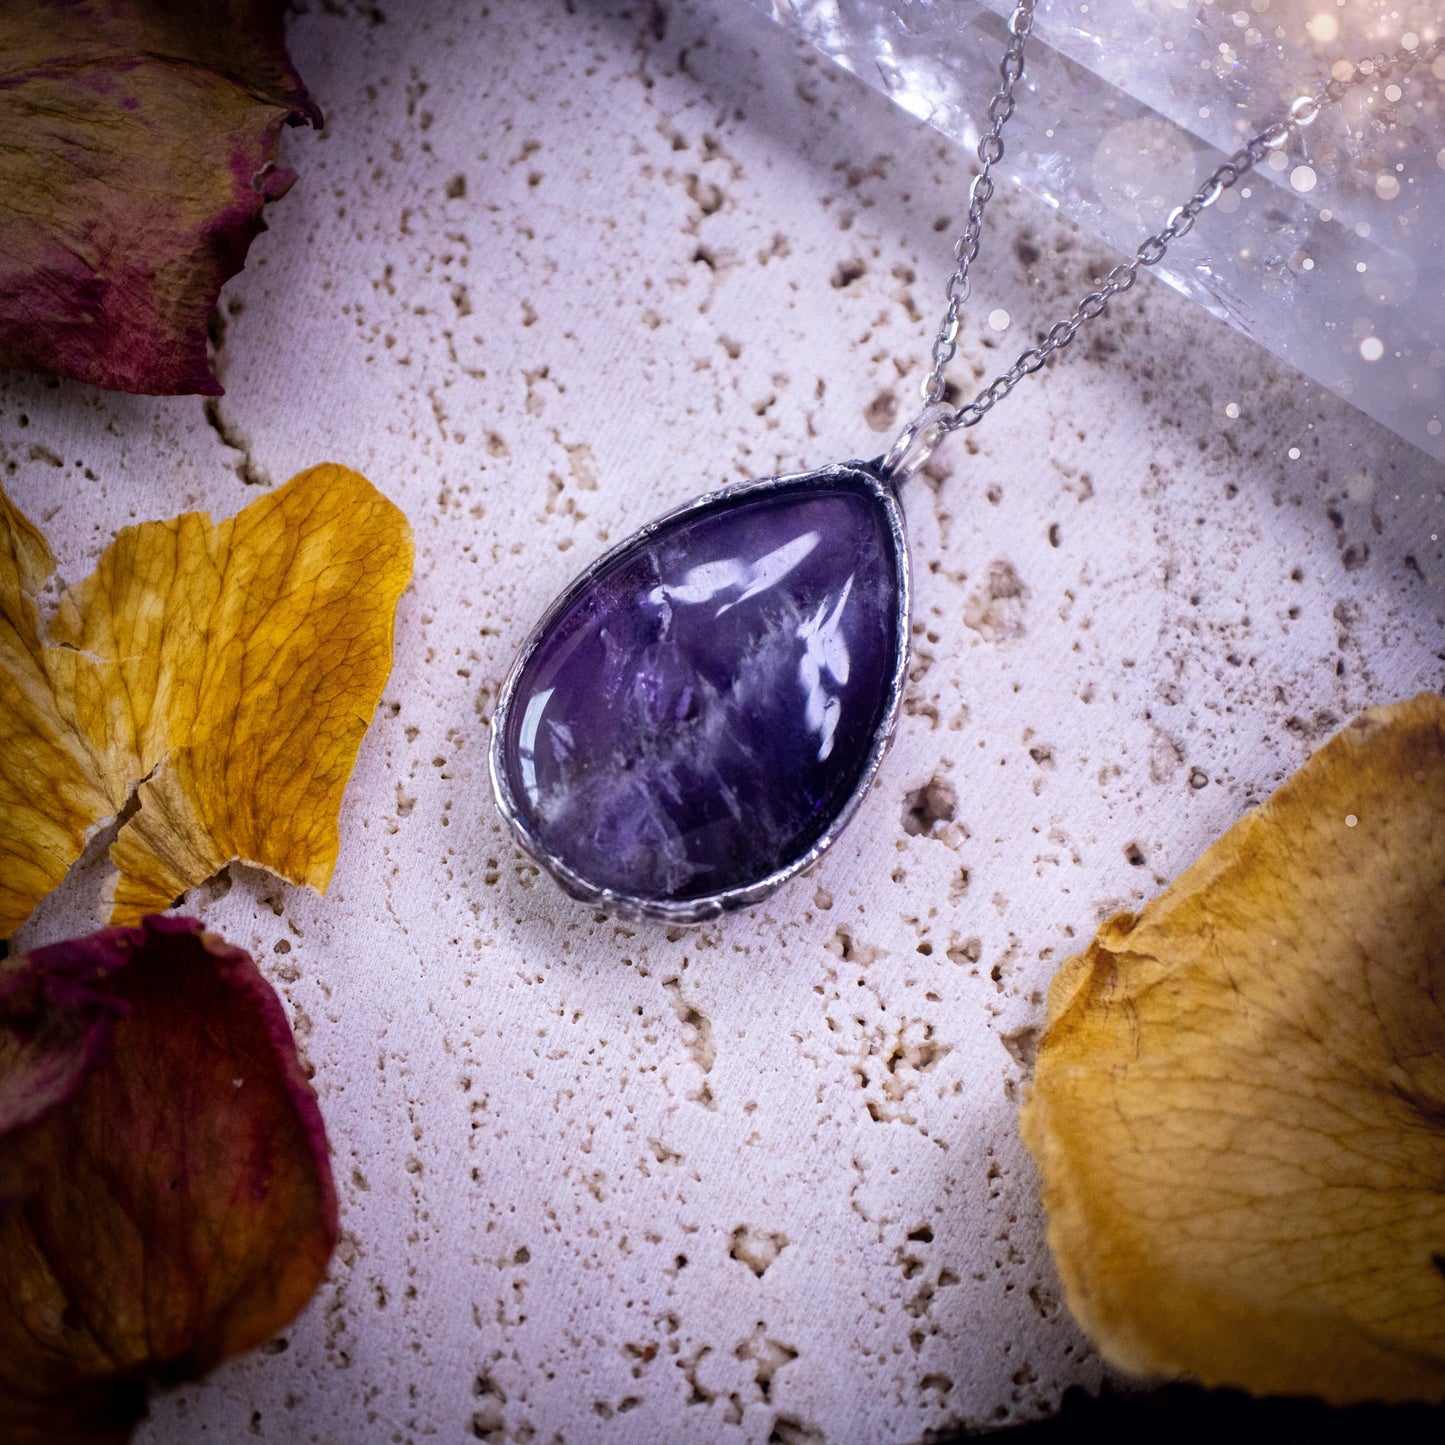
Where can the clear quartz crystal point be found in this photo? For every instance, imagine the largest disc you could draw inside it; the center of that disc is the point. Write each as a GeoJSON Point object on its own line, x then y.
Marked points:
{"type": "Point", "coordinates": [698, 715]}
{"type": "Point", "coordinates": [1334, 260]}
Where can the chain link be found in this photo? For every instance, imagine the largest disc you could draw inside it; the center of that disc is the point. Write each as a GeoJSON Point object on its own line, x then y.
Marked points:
{"type": "Point", "coordinates": [990, 153]}
{"type": "Point", "coordinates": [936, 420]}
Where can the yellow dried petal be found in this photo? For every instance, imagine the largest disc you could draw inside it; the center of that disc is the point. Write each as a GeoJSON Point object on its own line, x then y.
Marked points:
{"type": "Point", "coordinates": [225, 671]}
{"type": "Point", "coordinates": [50, 799]}
{"type": "Point", "coordinates": [1238, 1108]}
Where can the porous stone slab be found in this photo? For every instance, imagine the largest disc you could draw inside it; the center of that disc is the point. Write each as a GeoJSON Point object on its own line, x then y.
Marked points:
{"type": "Point", "coordinates": [553, 269]}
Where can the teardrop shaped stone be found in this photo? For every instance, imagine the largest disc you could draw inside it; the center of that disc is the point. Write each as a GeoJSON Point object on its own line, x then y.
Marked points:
{"type": "Point", "coordinates": [702, 707]}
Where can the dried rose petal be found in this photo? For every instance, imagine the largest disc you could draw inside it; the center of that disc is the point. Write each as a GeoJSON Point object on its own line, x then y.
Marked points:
{"type": "Point", "coordinates": [140, 147]}
{"type": "Point", "coordinates": [225, 671]}
{"type": "Point", "coordinates": [1238, 1110]}
{"type": "Point", "coordinates": [166, 1198]}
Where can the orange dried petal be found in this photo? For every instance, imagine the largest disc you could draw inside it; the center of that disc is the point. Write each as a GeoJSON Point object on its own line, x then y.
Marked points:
{"type": "Point", "coordinates": [1238, 1109]}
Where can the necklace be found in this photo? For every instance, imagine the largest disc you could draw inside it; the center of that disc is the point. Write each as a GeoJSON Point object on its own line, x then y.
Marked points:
{"type": "Point", "coordinates": [698, 716]}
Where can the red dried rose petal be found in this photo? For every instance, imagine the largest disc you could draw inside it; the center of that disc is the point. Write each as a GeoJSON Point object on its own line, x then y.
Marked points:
{"type": "Point", "coordinates": [140, 147]}
{"type": "Point", "coordinates": [166, 1197]}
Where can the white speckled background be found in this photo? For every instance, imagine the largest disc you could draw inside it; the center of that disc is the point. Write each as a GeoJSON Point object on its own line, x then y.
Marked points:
{"type": "Point", "coordinates": [554, 268]}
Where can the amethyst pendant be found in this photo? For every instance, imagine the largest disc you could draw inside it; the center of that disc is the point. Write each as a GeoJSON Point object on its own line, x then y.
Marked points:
{"type": "Point", "coordinates": [696, 718]}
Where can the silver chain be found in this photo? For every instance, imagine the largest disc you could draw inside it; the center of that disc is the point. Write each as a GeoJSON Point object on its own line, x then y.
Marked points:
{"type": "Point", "coordinates": [937, 418]}
{"type": "Point", "coordinates": [990, 152]}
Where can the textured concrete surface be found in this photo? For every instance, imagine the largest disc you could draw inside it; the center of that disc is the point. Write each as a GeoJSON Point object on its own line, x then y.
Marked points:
{"type": "Point", "coordinates": [552, 269]}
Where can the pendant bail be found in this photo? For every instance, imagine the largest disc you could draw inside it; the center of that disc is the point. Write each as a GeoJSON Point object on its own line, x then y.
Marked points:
{"type": "Point", "coordinates": [916, 442]}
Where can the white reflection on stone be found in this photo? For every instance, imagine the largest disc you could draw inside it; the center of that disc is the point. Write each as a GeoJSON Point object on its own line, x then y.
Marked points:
{"type": "Point", "coordinates": [527, 741]}
{"type": "Point", "coordinates": [825, 654]}
{"type": "Point", "coordinates": [710, 580]}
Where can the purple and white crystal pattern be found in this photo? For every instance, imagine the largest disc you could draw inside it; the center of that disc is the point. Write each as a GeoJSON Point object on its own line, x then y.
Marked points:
{"type": "Point", "coordinates": [704, 707]}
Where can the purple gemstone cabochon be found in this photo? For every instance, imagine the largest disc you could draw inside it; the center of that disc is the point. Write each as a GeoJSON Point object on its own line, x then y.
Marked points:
{"type": "Point", "coordinates": [698, 713]}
